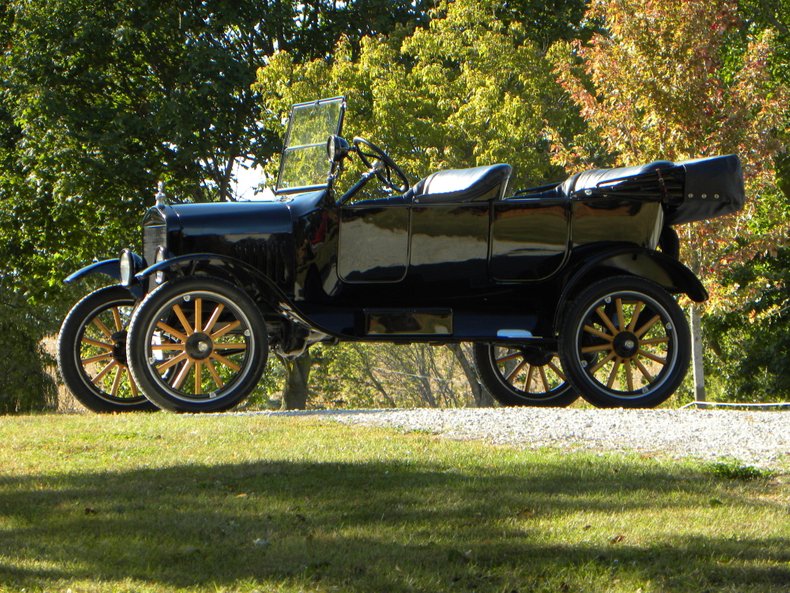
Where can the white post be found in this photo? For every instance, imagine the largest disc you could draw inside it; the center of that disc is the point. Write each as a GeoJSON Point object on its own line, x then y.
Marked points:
{"type": "Point", "coordinates": [696, 353]}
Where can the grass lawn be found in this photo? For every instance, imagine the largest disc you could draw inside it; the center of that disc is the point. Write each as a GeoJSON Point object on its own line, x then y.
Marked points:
{"type": "Point", "coordinates": [163, 503]}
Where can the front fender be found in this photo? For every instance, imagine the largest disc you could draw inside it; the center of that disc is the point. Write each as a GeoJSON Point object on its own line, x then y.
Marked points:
{"type": "Point", "coordinates": [108, 267]}
{"type": "Point", "coordinates": [241, 272]}
{"type": "Point", "coordinates": [636, 261]}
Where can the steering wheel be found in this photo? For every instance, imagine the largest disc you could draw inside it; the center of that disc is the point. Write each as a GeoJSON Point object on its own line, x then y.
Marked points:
{"type": "Point", "coordinates": [367, 150]}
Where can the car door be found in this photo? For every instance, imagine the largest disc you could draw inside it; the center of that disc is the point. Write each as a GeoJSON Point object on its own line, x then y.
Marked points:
{"type": "Point", "coordinates": [449, 243]}
{"type": "Point", "coordinates": [374, 241]}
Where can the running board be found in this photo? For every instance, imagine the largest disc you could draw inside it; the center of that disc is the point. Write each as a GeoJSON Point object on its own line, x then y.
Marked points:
{"type": "Point", "coordinates": [408, 322]}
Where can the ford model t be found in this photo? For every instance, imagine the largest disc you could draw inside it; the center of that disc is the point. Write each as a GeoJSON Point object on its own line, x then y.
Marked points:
{"type": "Point", "coordinates": [566, 289]}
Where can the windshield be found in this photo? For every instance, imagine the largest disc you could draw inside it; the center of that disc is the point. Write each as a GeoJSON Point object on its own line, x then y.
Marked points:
{"type": "Point", "coordinates": [304, 163]}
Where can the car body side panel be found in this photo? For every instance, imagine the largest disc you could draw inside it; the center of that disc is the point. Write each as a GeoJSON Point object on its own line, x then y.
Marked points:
{"type": "Point", "coordinates": [452, 264]}
{"type": "Point", "coordinates": [529, 238]}
{"type": "Point", "coordinates": [316, 229]}
{"type": "Point", "coordinates": [603, 219]}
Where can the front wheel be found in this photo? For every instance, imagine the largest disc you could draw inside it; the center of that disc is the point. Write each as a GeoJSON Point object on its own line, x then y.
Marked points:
{"type": "Point", "coordinates": [520, 375]}
{"type": "Point", "coordinates": [625, 343]}
{"type": "Point", "coordinates": [197, 345]}
{"type": "Point", "coordinates": [92, 352]}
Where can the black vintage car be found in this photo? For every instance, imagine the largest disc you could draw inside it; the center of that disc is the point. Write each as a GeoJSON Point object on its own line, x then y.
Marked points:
{"type": "Point", "coordinates": [564, 289]}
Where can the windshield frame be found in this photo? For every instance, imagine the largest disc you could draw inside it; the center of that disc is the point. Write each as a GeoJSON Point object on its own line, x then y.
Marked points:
{"type": "Point", "coordinates": [286, 148]}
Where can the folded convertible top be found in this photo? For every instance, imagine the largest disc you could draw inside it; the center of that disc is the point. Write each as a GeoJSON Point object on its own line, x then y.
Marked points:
{"type": "Point", "coordinates": [690, 190]}
{"type": "Point", "coordinates": [713, 187]}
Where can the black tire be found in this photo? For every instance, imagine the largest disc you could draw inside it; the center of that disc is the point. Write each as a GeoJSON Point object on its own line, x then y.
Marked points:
{"type": "Point", "coordinates": [179, 358]}
{"type": "Point", "coordinates": [614, 349]}
{"type": "Point", "coordinates": [519, 375]}
{"type": "Point", "coordinates": [92, 353]}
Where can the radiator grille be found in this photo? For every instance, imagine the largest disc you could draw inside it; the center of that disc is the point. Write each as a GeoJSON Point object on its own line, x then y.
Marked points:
{"type": "Point", "coordinates": [154, 236]}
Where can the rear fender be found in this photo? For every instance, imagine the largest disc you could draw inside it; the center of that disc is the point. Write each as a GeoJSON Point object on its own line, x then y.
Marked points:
{"type": "Point", "coordinates": [258, 285]}
{"type": "Point", "coordinates": [652, 265]}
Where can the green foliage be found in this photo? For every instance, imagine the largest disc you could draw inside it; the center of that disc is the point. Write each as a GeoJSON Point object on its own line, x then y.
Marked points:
{"type": "Point", "coordinates": [660, 82]}
{"type": "Point", "coordinates": [111, 97]}
{"type": "Point", "coordinates": [102, 99]}
{"type": "Point", "coordinates": [750, 344]}
{"type": "Point", "coordinates": [25, 385]}
{"type": "Point", "coordinates": [735, 470]}
{"type": "Point", "coordinates": [466, 90]}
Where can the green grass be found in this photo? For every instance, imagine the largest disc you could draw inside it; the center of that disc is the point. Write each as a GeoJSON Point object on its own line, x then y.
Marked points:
{"type": "Point", "coordinates": [162, 503]}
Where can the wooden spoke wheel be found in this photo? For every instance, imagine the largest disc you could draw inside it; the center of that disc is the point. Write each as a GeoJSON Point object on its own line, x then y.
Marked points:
{"type": "Point", "coordinates": [625, 343]}
{"type": "Point", "coordinates": [520, 375]}
{"type": "Point", "coordinates": [92, 352]}
{"type": "Point", "coordinates": [197, 344]}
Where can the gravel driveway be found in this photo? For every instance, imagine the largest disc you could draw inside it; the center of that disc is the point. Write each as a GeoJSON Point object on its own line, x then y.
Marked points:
{"type": "Point", "coordinates": [756, 438]}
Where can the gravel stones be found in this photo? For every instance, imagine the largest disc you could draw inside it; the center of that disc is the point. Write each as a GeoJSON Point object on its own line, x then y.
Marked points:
{"type": "Point", "coordinates": [761, 439]}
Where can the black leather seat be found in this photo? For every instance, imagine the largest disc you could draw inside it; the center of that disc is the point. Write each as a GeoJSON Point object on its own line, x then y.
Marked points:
{"type": "Point", "coordinates": [593, 178]}
{"type": "Point", "coordinates": [461, 185]}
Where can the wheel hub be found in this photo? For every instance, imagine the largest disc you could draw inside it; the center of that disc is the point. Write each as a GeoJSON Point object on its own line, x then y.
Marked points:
{"type": "Point", "coordinates": [119, 347]}
{"type": "Point", "coordinates": [199, 346]}
{"type": "Point", "coordinates": [536, 356]}
{"type": "Point", "coordinates": [625, 344]}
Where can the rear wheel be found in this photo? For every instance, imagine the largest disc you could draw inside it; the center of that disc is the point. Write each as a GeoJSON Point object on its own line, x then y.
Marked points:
{"type": "Point", "coordinates": [197, 345]}
{"type": "Point", "coordinates": [520, 375]}
{"type": "Point", "coordinates": [625, 343]}
{"type": "Point", "coordinates": [92, 352]}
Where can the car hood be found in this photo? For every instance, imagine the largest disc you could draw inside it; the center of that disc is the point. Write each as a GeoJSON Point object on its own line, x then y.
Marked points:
{"type": "Point", "coordinates": [233, 220]}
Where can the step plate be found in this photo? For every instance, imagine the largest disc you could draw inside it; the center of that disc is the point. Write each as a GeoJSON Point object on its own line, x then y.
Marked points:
{"type": "Point", "coordinates": [408, 322]}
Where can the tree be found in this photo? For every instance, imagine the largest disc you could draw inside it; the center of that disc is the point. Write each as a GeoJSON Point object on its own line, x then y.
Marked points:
{"type": "Point", "coordinates": [752, 344]}
{"type": "Point", "coordinates": [297, 378]}
{"type": "Point", "coordinates": [463, 354]}
{"type": "Point", "coordinates": [750, 340]}
{"type": "Point", "coordinates": [658, 83]}
{"type": "Point", "coordinates": [24, 384]}
{"type": "Point", "coordinates": [468, 89]}
{"type": "Point", "coordinates": [472, 87]}
{"type": "Point", "coordinates": [101, 99]}
{"type": "Point", "coordinates": [388, 375]}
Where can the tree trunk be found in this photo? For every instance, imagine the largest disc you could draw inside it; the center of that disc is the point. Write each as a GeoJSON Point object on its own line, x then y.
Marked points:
{"type": "Point", "coordinates": [480, 394]}
{"type": "Point", "coordinates": [367, 366]}
{"type": "Point", "coordinates": [696, 353]}
{"type": "Point", "coordinates": [296, 390]}
{"type": "Point", "coordinates": [420, 354]}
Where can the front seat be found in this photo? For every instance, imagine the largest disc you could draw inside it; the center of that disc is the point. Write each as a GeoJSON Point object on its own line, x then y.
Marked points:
{"type": "Point", "coordinates": [477, 184]}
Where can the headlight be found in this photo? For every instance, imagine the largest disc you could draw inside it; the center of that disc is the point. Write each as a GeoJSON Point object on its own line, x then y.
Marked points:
{"type": "Point", "coordinates": [159, 277]}
{"type": "Point", "coordinates": [128, 267]}
{"type": "Point", "coordinates": [336, 148]}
